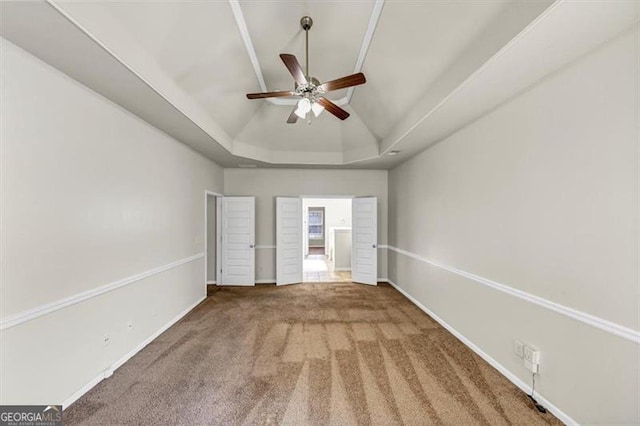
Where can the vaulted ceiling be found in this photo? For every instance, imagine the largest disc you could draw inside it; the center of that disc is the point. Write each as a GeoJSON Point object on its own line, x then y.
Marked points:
{"type": "Point", "coordinates": [186, 66]}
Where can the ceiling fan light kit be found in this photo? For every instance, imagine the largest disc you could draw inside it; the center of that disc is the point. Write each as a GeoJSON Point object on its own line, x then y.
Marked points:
{"type": "Point", "coordinates": [309, 88]}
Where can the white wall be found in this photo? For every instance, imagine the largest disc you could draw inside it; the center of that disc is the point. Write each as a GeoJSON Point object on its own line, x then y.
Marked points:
{"type": "Point", "coordinates": [541, 195]}
{"type": "Point", "coordinates": [337, 213]}
{"type": "Point", "coordinates": [342, 249]}
{"type": "Point", "coordinates": [266, 184]}
{"type": "Point", "coordinates": [91, 195]}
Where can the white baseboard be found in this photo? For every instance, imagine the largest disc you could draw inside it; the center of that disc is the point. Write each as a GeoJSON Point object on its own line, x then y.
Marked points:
{"type": "Point", "coordinates": [210, 282]}
{"type": "Point", "coordinates": [109, 371]}
{"type": "Point", "coordinates": [564, 417]}
{"type": "Point", "coordinates": [342, 269]}
{"type": "Point", "coordinates": [383, 280]}
{"type": "Point", "coordinates": [266, 281]}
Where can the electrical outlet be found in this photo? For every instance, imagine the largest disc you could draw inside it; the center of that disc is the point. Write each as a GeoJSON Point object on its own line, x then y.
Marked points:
{"type": "Point", "coordinates": [534, 368]}
{"type": "Point", "coordinates": [518, 348]}
{"type": "Point", "coordinates": [531, 355]}
{"type": "Point", "coordinates": [531, 359]}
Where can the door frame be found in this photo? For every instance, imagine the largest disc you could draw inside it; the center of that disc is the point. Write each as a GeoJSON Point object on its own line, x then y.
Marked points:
{"type": "Point", "coordinates": [305, 234]}
{"type": "Point", "coordinates": [217, 196]}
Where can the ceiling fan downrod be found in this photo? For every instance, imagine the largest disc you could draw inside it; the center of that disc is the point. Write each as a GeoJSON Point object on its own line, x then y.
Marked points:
{"type": "Point", "coordinates": [306, 22]}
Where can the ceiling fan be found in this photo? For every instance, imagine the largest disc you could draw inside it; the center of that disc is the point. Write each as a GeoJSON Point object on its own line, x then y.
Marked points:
{"type": "Point", "coordinates": [309, 88]}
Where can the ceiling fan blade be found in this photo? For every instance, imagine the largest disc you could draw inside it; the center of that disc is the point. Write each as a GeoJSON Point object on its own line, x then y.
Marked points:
{"type": "Point", "coordinates": [341, 83]}
{"type": "Point", "coordinates": [293, 117]}
{"type": "Point", "coordinates": [294, 68]}
{"type": "Point", "coordinates": [269, 95]}
{"type": "Point", "coordinates": [333, 108]}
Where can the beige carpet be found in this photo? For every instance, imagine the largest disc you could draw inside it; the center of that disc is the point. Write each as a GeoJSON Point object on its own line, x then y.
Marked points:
{"type": "Point", "coordinates": [330, 353]}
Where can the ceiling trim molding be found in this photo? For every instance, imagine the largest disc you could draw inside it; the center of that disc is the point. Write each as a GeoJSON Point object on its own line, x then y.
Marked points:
{"type": "Point", "coordinates": [248, 44]}
{"type": "Point", "coordinates": [473, 76]}
{"type": "Point", "coordinates": [366, 42]}
{"type": "Point", "coordinates": [220, 136]}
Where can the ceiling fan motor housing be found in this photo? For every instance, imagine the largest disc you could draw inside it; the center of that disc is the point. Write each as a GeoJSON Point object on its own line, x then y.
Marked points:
{"type": "Point", "coordinates": [313, 84]}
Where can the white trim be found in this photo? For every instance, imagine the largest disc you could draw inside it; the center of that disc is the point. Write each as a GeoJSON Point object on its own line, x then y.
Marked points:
{"type": "Point", "coordinates": [31, 314]}
{"type": "Point", "coordinates": [327, 196]}
{"type": "Point", "coordinates": [368, 36]}
{"type": "Point", "coordinates": [104, 47]}
{"type": "Point", "coordinates": [564, 417]}
{"type": "Point", "coordinates": [592, 320]}
{"type": "Point", "coordinates": [109, 371]}
{"type": "Point", "coordinates": [208, 193]}
{"type": "Point", "coordinates": [342, 269]}
{"type": "Point", "coordinates": [218, 239]}
{"type": "Point", "coordinates": [248, 44]}
{"type": "Point", "coordinates": [266, 281]}
{"type": "Point", "coordinates": [383, 280]}
{"type": "Point", "coordinates": [210, 282]}
{"type": "Point", "coordinates": [86, 388]}
{"type": "Point", "coordinates": [478, 71]}
{"type": "Point", "coordinates": [266, 246]}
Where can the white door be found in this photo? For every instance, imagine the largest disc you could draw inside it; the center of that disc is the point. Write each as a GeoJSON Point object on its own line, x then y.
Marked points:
{"type": "Point", "coordinates": [364, 246]}
{"type": "Point", "coordinates": [238, 241]}
{"type": "Point", "coordinates": [288, 240]}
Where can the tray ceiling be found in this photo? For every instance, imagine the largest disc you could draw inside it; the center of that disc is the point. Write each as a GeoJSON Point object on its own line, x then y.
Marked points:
{"type": "Point", "coordinates": [186, 66]}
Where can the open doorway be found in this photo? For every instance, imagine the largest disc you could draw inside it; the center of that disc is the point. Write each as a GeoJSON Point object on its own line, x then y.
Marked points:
{"type": "Point", "coordinates": [212, 237]}
{"type": "Point", "coordinates": [326, 237]}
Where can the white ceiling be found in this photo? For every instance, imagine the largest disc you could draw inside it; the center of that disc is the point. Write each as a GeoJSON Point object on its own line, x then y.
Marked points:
{"type": "Point", "coordinates": [195, 61]}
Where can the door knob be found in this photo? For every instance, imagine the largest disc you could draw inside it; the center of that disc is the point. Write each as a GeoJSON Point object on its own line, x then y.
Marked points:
{"type": "Point", "coordinates": [251, 246]}
{"type": "Point", "coordinates": [373, 245]}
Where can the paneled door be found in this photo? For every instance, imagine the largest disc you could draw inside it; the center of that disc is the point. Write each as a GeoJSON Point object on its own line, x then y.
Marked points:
{"type": "Point", "coordinates": [288, 240]}
{"type": "Point", "coordinates": [238, 241]}
{"type": "Point", "coordinates": [364, 251]}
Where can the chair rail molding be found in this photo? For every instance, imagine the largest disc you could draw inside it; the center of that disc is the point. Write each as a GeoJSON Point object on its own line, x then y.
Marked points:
{"type": "Point", "coordinates": [31, 314]}
{"type": "Point", "coordinates": [592, 320]}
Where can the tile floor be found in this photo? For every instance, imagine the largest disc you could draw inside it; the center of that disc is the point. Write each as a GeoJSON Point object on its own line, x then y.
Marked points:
{"type": "Point", "coordinates": [317, 269]}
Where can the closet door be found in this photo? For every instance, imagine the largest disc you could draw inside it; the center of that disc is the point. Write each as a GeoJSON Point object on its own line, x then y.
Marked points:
{"type": "Point", "coordinates": [364, 251]}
